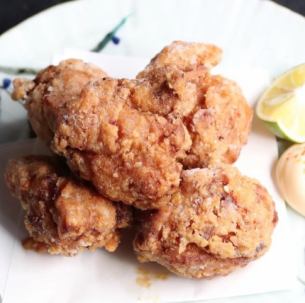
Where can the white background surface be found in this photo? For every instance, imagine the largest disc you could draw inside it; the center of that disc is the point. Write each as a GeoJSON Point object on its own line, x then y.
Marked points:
{"type": "Point", "coordinates": [251, 32]}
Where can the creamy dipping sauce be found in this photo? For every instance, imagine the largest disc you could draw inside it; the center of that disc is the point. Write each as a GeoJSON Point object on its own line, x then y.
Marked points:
{"type": "Point", "coordinates": [290, 177]}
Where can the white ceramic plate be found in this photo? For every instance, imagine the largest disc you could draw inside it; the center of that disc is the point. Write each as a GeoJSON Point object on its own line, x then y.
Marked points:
{"type": "Point", "coordinates": [252, 33]}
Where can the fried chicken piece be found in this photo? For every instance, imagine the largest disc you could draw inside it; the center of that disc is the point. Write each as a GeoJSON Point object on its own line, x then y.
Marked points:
{"type": "Point", "coordinates": [128, 154]}
{"type": "Point", "coordinates": [185, 56]}
{"type": "Point", "coordinates": [63, 215]}
{"type": "Point", "coordinates": [56, 86]}
{"type": "Point", "coordinates": [218, 221]}
{"type": "Point", "coordinates": [131, 138]}
{"type": "Point", "coordinates": [219, 125]}
{"type": "Point", "coordinates": [213, 108]}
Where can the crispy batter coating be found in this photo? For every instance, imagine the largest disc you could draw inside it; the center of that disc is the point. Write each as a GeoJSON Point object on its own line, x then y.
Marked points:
{"type": "Point", "coordinates": [185, 56]}
{"type": "Point", "coordinates": [216, 222]}
{"type": "Point", "coordinates": [129, 155]}
{"type": "Point", "coordinates": [212, 108]}
{"type": "Point", "coordinates": [219, 127]}
{"type": "Point", "coordinates": [131, 138]}
{"type": "Point", "coordinates": [62, 215]}
{"type": "Point", "coordinates": [55, 87]}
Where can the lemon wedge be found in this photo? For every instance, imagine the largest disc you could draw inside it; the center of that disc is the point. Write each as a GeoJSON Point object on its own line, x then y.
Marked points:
{"type": "Point", "coordinates": [282, 106]}
{"type": "Point", "coordinates": [290, 177]}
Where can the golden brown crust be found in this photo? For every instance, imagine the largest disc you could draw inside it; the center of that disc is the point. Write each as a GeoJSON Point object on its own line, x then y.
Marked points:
{"type": "Point", "coordinates": [186, 56]}
{"type": "Point", "coordinates": [219, 127]}
{"type": "Point", "coordinates": [55, 87]}
{"type": "Point", "coordinates": [217, 221]}
{"type": "Point", "coordinates": [129, 155]}
{"type": "Point", "coordinates": [131, 138]}
{"type": "Point", "coordinates": [213, 108]}
{"type": "Point", "coordinates": [62, 215]}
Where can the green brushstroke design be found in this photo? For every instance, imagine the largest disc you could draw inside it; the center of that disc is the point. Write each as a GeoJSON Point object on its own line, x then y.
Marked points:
{"type": "Point", "coordinates": [100, 46]}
